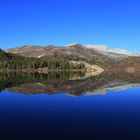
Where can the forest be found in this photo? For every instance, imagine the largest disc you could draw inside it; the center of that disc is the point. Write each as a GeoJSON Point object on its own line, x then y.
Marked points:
{"type": "Point", "coordinates": [15, 62]}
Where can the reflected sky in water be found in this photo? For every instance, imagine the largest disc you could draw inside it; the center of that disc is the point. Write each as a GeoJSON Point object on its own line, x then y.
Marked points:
{"type": "Point", "coordinates": [115, 115]}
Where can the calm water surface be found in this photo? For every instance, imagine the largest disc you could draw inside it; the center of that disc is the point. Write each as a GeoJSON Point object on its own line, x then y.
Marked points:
{"type": "Point", "coordinates": [83, 114]}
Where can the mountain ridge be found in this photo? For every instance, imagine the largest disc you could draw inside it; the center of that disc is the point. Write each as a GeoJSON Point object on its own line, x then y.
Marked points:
{"type": "Point", "coordinates": [74, 49]}
{"type": "Point", "coordinates": [73, 52]}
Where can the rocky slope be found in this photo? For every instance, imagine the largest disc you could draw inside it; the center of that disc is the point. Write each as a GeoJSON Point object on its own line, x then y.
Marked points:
{"type": "Point", "coordinates": [95, 54]}
{"type": "Point", "coordinates": [74, 51]}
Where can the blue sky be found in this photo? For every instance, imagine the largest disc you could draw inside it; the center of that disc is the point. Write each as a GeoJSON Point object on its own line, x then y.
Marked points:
{"type": "Point", "coordinates": [115, 23]}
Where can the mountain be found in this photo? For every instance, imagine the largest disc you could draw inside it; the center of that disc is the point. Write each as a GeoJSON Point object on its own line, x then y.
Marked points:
{"type": "Point", "coordinates": [72, 52]}
{"type": "Point", "coordinates": [76, 50]}
{"type": "Point", "coordinates": [52, 62]}
{"type": "Point", "coordinates": [93, 54]}
{"type": "Point", "coordinates": [114, 52]}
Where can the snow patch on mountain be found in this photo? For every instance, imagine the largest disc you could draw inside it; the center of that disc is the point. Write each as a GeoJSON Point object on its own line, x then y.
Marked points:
{"type": "Point", "coordinates": [104, 48]}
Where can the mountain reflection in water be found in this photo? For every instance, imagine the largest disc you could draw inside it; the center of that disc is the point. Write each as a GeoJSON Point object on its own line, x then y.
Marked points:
{"type": "Point", "coordinates": [72, 83]}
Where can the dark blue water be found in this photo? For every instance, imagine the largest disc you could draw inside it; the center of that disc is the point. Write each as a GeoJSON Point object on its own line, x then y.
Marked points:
{"type": "Point", "coordinates": [114, 116]}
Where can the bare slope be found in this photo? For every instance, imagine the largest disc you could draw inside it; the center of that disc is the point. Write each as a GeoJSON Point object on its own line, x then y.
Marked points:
{"type": "Point", "coordinates": [74, 51]}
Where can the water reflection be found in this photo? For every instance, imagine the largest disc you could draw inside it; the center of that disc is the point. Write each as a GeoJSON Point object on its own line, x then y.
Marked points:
{"type": "Point", "coordinates": [73, 83]}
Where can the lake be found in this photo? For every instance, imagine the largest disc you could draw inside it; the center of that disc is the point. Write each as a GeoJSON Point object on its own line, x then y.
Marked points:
{"type": "Point", "coordinates": [64, 105]}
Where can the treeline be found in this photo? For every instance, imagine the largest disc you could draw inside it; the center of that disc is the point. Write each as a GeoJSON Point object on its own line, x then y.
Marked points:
{"type": "Point", "coordinates": [10, 61]}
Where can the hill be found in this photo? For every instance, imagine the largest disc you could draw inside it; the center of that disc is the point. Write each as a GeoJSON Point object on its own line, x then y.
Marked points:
{"type": "Point", "coordinates": [75, 51]}
{"type": "Point", "coordinates": [9, 61]}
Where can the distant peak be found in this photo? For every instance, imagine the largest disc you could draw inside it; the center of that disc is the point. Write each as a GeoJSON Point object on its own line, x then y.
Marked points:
{"type": "Point", "coordinates": [76, 46]}
{"type": "Point", "coordinates": [73, 44]}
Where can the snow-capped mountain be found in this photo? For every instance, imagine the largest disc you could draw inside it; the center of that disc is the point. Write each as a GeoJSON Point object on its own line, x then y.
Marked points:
{"type": "Point", "coordinates": [100, 52]}
{"type": "Point", "coordinates": [113, 52]}
{"type": "Point", "coordinates": [105, 49]}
